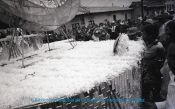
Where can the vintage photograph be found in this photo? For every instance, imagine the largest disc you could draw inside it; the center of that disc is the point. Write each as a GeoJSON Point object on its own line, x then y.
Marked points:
{"type": "Point", "coordinates": [87, 54]}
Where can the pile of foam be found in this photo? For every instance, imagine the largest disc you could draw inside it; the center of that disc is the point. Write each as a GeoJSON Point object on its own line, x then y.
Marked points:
{"type": "Point", "coordinates": [64, 71]}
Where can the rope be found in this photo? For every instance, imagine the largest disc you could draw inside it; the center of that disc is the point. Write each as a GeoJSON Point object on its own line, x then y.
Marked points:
{"type": "Point", "coordinates": [67, 36]}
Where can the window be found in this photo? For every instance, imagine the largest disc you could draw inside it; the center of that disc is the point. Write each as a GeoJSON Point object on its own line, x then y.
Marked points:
{"type": "Point", "coordinates": [82, 20]}
{"type": "Point", "coordinates": [147, 12]}
{"type": "Point", "coordinates": [126, 16]}
{"type": "Point", "coordinates": [75, 25]}
{"type": "Point", "coordinates": [168, 6]}
{"type": "Point", "coordinates": [114, 17]}
{"type": "Point", "coordinates": [172, 6]}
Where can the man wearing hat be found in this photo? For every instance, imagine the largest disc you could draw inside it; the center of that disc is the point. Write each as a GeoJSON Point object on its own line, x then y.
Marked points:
{"type": "Point", "coordinates": [133, 33]}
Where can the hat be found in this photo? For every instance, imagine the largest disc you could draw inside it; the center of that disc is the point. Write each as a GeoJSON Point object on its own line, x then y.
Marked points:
{"type": "Point", "coordinates": [132, 31]}
{"type": "Point", "coordinates": [150, 21]}
{"type": "Point", "coordinates": [113, 22]}
{"type": "Point", "coordinates": [140, 18]}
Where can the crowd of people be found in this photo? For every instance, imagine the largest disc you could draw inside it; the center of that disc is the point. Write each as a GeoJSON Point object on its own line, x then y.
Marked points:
{"type": "Point", "coordinates": [103, 31]}
{"type": "Point", "coordinates": [158, 63]}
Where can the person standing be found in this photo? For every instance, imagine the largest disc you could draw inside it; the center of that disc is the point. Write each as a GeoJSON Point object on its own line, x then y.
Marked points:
{"type": "Point", "coordinates": [153, 59]}
{"type": "Point", "coordinates": [169, 103]}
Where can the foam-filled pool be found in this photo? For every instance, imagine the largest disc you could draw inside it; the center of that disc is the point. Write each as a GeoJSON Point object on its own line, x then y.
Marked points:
{"type": "Point", "coordinates": [64, 71]}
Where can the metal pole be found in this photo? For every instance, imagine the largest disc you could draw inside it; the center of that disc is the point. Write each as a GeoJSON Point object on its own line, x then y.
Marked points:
{"type": "Point", "coordinates": [142, 9]}
{"type": "Point", "coordinates": [22, 50]}
{"type": "Point", "coordinates": [48, 41]}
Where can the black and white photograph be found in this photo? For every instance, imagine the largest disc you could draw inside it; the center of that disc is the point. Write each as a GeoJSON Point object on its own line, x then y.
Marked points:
{"type": "Point", "coordinates": [87, 54]}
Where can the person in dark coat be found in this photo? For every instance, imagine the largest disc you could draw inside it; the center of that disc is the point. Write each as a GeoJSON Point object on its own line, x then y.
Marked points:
{"type": "Point", "coordinates": [152, 61]}
{"type": "Point", "coordinates": [170, 30]}
{"type": "Point", "coordinates": [169, 103]}
{"type": "Point", "coordinates": [114, 32]}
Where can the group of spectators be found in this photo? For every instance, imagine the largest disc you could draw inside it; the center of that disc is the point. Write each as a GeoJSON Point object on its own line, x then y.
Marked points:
{"type": "Point", "coordinates": [158, 63]}
{"type": "Point", "coordinates": [103, 31]}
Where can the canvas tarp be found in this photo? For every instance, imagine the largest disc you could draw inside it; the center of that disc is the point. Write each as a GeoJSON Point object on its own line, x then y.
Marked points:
{"type": "Point", "coordinates": [39, 16]}
{"type": "Point", "coordinates": [18, 22]}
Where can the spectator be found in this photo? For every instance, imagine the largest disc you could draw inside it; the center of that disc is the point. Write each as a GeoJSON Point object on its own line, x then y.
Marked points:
{"type": "Point", "coordinates": [170, 101]}
{"type": "Point", "coordinates": [152, 61]}
{"type": "Point", "coordinates": [113, 33]}
{"type": "Point", "coordinates": [133, 33]}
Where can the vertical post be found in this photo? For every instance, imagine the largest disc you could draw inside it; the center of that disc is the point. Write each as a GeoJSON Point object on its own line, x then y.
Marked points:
{"type": "Point", "coordinates": [46, 31]}
{"type": "Point", "coordinates": [48, 41]}
{"type": "Point", "coordinates": [65, 35]}
{"type": "Point", "coordinates": [22, 49]}
{"type": "Point", "coordinates": [142, 9]}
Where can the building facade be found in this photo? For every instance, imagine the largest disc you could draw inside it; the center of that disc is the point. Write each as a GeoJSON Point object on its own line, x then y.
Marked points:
{"type": "Point", "coordinates": [136, 12]}
{"type": "Point", "coordinates": [170, 5]}
{"type": "Point", "coordinates": [99, 15]}
{"type": "Point", "coordinates": [150, 8]}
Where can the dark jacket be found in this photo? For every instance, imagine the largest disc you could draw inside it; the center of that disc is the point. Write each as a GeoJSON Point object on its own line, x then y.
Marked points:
{"type": "Point", "coordinates": [171, 56]}
{"type": "Point", "coordinates": [152, 61]}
